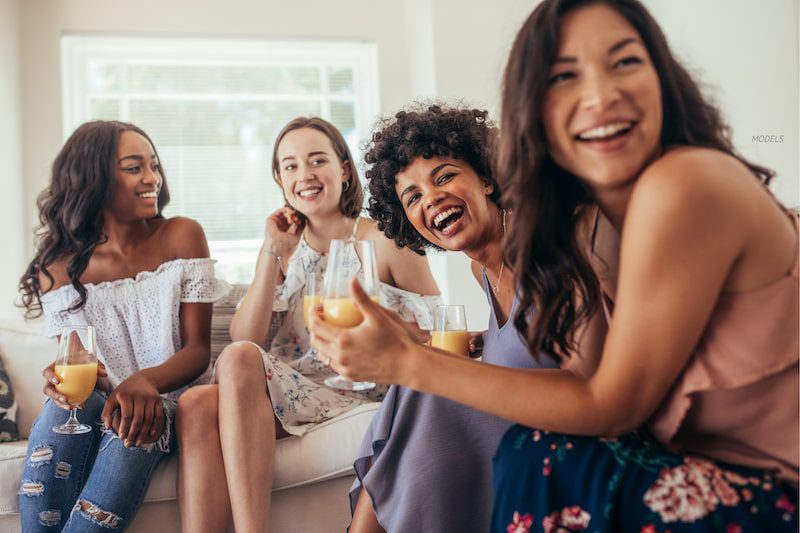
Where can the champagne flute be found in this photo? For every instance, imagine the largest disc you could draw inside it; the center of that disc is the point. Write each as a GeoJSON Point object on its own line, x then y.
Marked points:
{"type": "Point", "coordinates": [450, 329]}
{"type": "Point", "coordinates": [337, 305]}
{"type": "Point", "coordinates": [312, 297]}
{"type": "Point", "coordinates": [76, 368]}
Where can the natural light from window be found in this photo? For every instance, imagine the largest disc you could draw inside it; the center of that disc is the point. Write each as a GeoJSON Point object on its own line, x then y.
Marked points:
{"type": "Point", "coordinates": [213, 108]}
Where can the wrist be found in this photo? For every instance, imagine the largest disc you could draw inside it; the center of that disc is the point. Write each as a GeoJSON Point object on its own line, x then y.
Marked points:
{"type": "Point", "coordinates": [277, 249]}
{"type": "Point", "coordinates": [410, 367]}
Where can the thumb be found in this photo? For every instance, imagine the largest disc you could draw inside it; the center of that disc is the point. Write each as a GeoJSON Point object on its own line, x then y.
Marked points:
{"type": "Point", "coordinates": [362, 299]}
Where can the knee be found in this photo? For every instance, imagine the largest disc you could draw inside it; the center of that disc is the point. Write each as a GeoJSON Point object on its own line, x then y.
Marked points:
{"type": "Point", "coordinates": [241, 363]}
{"type": "Point", "coordinates": [197, 412]}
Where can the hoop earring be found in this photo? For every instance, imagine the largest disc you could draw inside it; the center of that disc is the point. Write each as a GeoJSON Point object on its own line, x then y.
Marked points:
{"type": "Point", "coordinates": [346, 186]}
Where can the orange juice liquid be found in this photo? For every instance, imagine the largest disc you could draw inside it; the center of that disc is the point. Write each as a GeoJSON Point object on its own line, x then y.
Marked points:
{"type": "Point", "coordinates": [77, 381]}
{"type": "Point", "coordinates": [308, 303]}
{"type": "Point", "coordinates": [453, 341]}
{"type": "Point", "coordinates": [343, 312]}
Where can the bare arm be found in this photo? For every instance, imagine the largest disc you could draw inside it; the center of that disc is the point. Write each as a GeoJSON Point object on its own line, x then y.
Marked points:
{"type": "Point", "coordinates": [407, 270]}
{"type": "Point", "coordinates": [679, 243]}
{"type": "Point", "coordinates": [252, 319]}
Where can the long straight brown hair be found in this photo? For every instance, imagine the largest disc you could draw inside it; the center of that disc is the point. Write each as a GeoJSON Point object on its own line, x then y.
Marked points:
{"type": "Point", "coordinates": [559, 289]}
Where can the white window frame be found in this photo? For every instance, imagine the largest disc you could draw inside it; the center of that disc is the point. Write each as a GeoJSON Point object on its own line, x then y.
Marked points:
{"type": "Point", "coordinates": [78, 50]}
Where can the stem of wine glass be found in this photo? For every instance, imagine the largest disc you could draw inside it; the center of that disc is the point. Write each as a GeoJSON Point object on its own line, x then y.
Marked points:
{"type": "Point", "coordinates": [73, 417]}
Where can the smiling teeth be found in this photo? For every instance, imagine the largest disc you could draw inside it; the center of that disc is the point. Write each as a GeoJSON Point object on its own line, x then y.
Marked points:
{"type": "Point", "coordinates": [444, 214]}
{"type": "Point", "coordinates": [308, 192]}
{"type": "Point", "coordinates": [604, 131]}
{"type": "Point", "coordinates": [148, 195]}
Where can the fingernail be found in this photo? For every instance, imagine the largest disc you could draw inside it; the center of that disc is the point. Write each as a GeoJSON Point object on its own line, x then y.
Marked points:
{"type": "Point", "coordinates": [138, 443]}
{"type": "Point", "coordinates": [122, 435]}
{"type": "Point", "coordinates": [127, 444]}
{"type": "Point", "coordinates": [54, 381]}
{"type": "Point", "coordinates": [152, 432]}
{"type": "Point", "coordinates": [62, 399]}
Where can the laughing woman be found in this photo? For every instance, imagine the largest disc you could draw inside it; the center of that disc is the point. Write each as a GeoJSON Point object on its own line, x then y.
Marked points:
{"type": "Point", "coordinates": [601, 123]}
{"type": "Point", "coordinates": [432, 186]}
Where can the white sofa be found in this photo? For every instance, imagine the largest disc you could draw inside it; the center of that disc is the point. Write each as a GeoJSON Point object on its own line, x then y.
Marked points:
{"type": "Point", "coordinates": [312, 474]}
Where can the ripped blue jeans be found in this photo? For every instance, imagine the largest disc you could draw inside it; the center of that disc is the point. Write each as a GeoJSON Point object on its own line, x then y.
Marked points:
{"type": "Point", "coordinates": [88, 482]}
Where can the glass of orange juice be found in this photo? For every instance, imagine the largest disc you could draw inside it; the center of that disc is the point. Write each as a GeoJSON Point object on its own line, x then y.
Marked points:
{"type": "Point", "coordinates": [312, 296]}
{"type": "Point", "coordinates": [450, 329]}
{"type": "Point", "coordinates": [337, 304]}
{"type": "Point", "coordinates": [76, 368]}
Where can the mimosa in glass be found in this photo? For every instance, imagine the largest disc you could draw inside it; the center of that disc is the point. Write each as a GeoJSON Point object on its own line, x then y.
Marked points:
{"type": "Point", "coordinates": [338, 306]}
{"type": "Point", "coordinates": [450, 329]}
{"type": "Point", "coordinates": [76, 368]}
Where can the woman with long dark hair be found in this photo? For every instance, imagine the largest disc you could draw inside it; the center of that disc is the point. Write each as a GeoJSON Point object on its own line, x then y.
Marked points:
{"type": "Point", "coordinates": [107, 258]}
{"type": "Point", "coordinates": [654, 261]}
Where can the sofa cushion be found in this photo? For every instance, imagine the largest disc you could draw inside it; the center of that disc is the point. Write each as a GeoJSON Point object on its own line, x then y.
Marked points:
{"type": "Point", "coordinates": [8, 407]}
{"type": "Point", "coordinates": [26, 355]}
{"type": "Point", "coordinates": [326, 452]}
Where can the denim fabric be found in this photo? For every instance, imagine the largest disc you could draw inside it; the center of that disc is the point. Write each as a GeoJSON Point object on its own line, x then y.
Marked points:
{"type": "Point", "coordinates": [63, 471]}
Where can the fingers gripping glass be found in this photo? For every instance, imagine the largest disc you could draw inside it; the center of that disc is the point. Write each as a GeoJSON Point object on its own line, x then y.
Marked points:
{"type": "Point", "coordinates": [337, 304]}
{"type": "Point", "coordinates": [76, 368]}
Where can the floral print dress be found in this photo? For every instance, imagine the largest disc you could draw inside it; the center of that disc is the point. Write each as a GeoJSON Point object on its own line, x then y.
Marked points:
{"type": "Point", "coordinates": [552, 482]}
{"type": "Point", "coordinates": [295, 374]}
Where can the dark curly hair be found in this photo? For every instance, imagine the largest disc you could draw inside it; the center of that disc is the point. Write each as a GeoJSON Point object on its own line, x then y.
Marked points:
{"type": "Point", "coordinates": [423, 130]}
{"type": "Point", "coordinates": [71, 208]}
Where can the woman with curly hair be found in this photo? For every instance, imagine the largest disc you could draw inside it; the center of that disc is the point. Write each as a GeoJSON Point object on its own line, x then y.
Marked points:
{"type": "Point", "coordinates": [432, 187]}
{"type": "Point", "coordinates": [106, 257]}
{"type": "Point", "coordinates": [690, 259]}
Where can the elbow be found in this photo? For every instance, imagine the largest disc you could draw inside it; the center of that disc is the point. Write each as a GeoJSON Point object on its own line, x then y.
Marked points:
{"type": "Point", "coordinates": [615, 420]}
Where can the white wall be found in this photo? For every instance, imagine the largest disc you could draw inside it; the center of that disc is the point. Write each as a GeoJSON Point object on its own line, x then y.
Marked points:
{"type": "Point", "coordinates": [14, 234]}
{"type": "Point", "coordinates": [747, 52]}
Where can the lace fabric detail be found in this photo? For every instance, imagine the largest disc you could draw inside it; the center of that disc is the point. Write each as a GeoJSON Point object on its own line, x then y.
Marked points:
{"type": "Point", "coordinates": [136, 320]}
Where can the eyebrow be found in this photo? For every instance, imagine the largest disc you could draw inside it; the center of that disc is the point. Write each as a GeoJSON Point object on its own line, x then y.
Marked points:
{"type": "Point", "coordinates": [432, 173]}
{"type": "Point", "coordinates": [137, 158]}
{"type": "Point", "coordinates": [614, 48]}
{"type": "Point", "coordinates": [310, 154]}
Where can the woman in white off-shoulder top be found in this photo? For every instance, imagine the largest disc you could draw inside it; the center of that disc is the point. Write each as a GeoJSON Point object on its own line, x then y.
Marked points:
{"type": "Point", "coordinates": [107, 258]}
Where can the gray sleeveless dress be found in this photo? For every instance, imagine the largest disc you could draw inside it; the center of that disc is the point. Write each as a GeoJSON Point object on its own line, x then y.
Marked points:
{"type": "Point", "coordinates": [426, 461]}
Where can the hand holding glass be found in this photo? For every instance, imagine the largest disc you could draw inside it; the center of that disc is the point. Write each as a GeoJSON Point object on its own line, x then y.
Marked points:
{"type": "Point", "coordinates": [76, 368]}
{"type": "Point", "coordinates": [450, 329]}
{"type": "Point", "coordinates": [338, 306]}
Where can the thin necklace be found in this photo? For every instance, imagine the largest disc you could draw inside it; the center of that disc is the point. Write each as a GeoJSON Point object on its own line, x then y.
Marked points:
{"type": "Point", "coordinates": [496, 286]}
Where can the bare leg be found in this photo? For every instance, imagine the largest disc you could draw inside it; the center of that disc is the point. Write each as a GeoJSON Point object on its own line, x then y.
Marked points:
{"type": "Point", "coordinates": [202, 491]}
{"type": "Point", "coordinates": [247, 430]}
{"type": "Point", "coordinates": [364, 519]}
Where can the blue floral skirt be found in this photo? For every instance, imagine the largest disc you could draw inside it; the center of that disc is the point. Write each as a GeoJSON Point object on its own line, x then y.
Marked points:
{"type": "Point", "coordinates": [558, 483]}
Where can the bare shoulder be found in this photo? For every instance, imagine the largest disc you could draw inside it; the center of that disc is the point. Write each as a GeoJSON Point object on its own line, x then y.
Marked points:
{"type": "Point", "coordinates": [368, 230]}
{"type": "Point", "coordinates": [694, 181]}
{"type": "Point", "coordinates": [181, 237]}
{"type": "Point", "coordinates": [58, 270]}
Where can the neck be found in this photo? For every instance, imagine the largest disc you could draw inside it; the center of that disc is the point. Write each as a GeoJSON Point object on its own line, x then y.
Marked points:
{"type": "Point", "coordinates": [614, 204]}
{"type": "Point", "coordinates": [123, 236]}
{"type": "Point", "coordinates": [321, 230]}
{"type": "Point", "coordinates": [488, 250]}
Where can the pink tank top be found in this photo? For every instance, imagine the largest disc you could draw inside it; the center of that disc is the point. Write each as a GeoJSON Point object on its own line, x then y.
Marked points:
{"type": "Point", "coordinates": [738, 398]}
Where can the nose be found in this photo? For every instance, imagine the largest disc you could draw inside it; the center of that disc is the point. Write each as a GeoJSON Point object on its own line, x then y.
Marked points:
{"type": "Point", "coordinates": [431, 197]}
{"type": "Point", "coordinates": [151, 175]}
{"type": "Point", "coordinates": [600, 90]}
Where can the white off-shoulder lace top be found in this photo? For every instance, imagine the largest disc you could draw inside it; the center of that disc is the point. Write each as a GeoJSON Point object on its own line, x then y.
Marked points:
{"type": "Point", "coordinates": [136, 320]}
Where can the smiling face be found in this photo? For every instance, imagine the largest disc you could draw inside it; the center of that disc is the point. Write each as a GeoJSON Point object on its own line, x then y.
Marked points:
{"type": "Point", "coordinates": [602, 111]}
{"type": "Point", "coordinates": [310, 172]}
{"type": "Point", "coordinates": [139, 178]}
{"type": "Point", "coordinates": [446, 201]}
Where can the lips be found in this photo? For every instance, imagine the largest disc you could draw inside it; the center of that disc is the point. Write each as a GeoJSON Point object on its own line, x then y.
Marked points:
{"type": "Point", "coordinates": [446, 217]}
{"type": "Point", "coordinates": [309, 193]}
{"type": "Point", "coordinates": [607, 131]}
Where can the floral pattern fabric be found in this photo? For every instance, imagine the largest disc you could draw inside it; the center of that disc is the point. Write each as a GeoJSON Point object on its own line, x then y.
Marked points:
{"type": "Point", "coordinates": [557, 483]}
{"type": "Point", "coordinates": [295, 374]}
